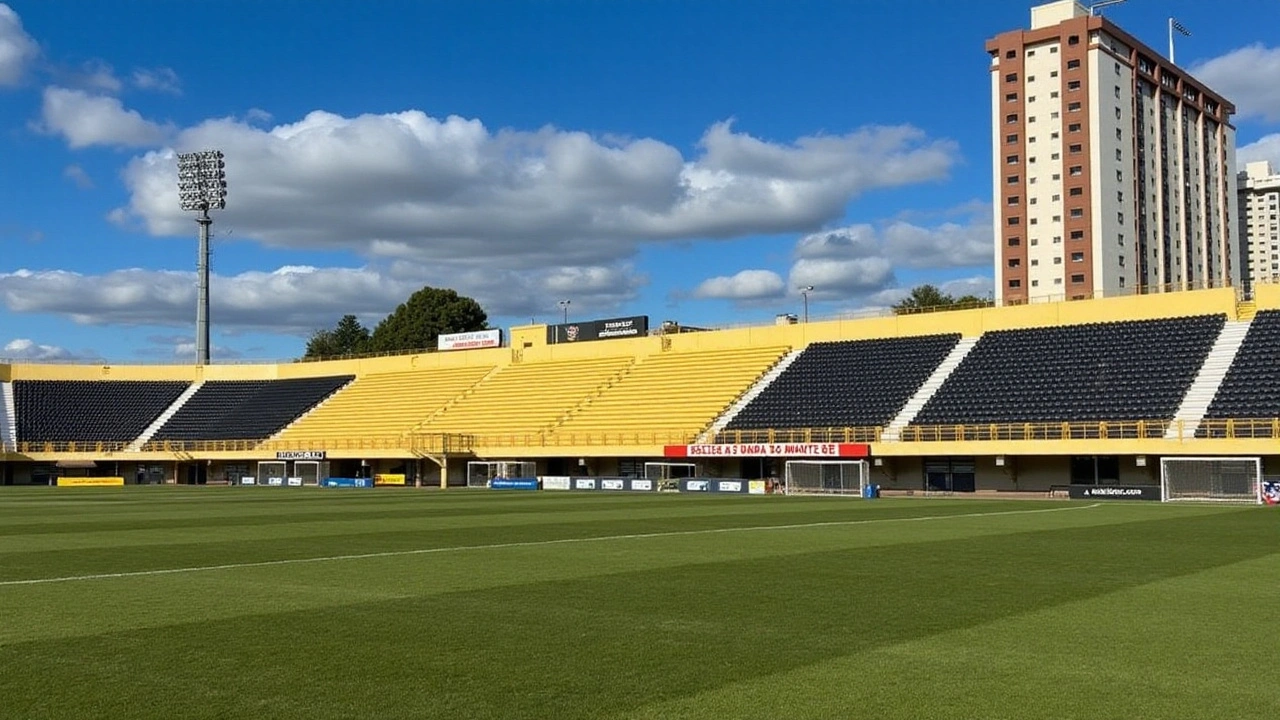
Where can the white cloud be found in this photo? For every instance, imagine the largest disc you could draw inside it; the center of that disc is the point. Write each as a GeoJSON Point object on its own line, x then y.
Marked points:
{"type": "Point", "coordinates": [257, 116]}
{"type": "Point", "coordinates": [905, 244]}
{"type": "Point", "coordinates": [746, 285]}
{"type": "Point", "coordinates": [17, 48]}
{"type": "Point", "coordinates": [93, 75]}
{"type": "Point", "coordinates": [27, 349]}
{"type": "Point", "coordinates": [161, 79]}
{"type": "Point", "coordinates": [834, 278]}
{"type": "Point", "coordinates": [409, 186]}
{"type": "Point", "coordinates": [77, 175]}
{"type": "Point", "coordinates": [1265, 148]}
{"type": "Point", "coordinates": [299, 299]}
{"type": "Point", "coordinates": [182, 347]}
{"type": "Point", "coordinates": [84, 119]}
{"type": "Point", "coordinates": [1249, 77]}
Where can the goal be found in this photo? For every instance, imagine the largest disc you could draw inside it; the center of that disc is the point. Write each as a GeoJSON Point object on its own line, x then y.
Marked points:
{"type": "Point", "coordinates": [481, 472]}
{"type": "Point", "coordinates": [1211, 479]}
{"type": "Point", "coordinates": [669, 471]}
{"type": "Point", "coordinates": [825, 477]}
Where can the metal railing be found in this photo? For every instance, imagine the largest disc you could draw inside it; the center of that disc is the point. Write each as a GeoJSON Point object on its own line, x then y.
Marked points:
{"type": "Point", "coordinates": [424, 442]}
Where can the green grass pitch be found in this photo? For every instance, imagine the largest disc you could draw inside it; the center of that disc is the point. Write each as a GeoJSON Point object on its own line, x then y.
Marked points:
{"type": "Point", "coordinates": [302, 603]}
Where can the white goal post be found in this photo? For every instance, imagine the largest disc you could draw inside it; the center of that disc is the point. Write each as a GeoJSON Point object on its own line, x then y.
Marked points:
{"type": "Point", "coordinates": [825, 477]}
{"type": "Point", "coordinates": [481, 472]}
{"type": "Point", "coordinates": [1211, 479]}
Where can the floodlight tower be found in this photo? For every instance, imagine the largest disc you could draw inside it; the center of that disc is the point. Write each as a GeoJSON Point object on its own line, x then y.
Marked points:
{"type": "Point", "coordinates": [202, 186]}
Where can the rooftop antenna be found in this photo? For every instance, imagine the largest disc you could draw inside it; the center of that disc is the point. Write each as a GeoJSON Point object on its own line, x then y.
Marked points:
{"type": "Point", "coordinates": [1094, 8]}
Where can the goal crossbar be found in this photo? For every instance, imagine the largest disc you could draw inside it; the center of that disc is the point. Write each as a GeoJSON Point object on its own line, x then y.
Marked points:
{"type": "Point", "coordinates": [825, 477]}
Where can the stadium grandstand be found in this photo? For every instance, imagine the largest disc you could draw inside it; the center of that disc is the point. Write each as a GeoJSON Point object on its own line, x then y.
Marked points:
{"type": "Point", "coordinates": [1005, 399]}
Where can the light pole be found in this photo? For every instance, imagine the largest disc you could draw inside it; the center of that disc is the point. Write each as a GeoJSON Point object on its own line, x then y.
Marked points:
{"type": "Point", "coordinates": [805, 292]}
{"type": "Point", "coordinates": [202, 186]}
{"type": "Point", "coordinates": [564, 305]}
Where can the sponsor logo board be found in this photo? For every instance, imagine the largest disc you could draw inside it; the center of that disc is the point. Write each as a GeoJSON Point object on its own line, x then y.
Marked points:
{"type": "Point", "coordinates": [695, 486]}
{"type": "Point", "coordinates": [612, 484]}
{"type": "Point", "coordinates": [275, 481]}
{"type": "Point", "coordinates": [584, 484]}
{"type": "Point", "coordinates": [841, 450]}
{"type": "Point", "coordinates": [608, 329]}
{"type": "Point", "coordinates": [470, 340]}
{"type": "Point", "coordinates": [90, 482]}
{"type": "Point", "coordinates": [388, 479]}
{"type": "Point", "coordinates": [1114, 492]}
{"type": "Point", "coordinates": [300, 454]}
{"type": "Point", "coordinates": [757, 487]}
{"type": "Point", "coordinates": [556, 482]}
{"type": "Point", "coordinates": [729, 486]}
{"type": "Point", "coordinates": [294, 482]}
{"type": "Point", "coordinates": [645, 485]}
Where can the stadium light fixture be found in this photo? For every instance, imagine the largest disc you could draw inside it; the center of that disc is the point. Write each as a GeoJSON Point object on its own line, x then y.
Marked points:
{"type": "Point", "coordinates": [805, 292]}
{"type": "Point", "coordinates": [564, 305]}
{"type": "Point", "coordinates": [202, 186]}
{"type": "Point", "coordinates": [1179, 28]}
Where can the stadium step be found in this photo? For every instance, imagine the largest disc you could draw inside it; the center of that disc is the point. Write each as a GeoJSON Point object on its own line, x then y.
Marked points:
{"type": "Point", "coordinates": [163, 418]}
{"type": "Point", "coordinates": [1245, 310]}
{"type": "Point", "coordinates": [1203, 389]}
{"type": "Point", "coordinates": [8, 419]}
{"type": "Point", "coordinates": [745, 399]}
{"type": "Point", "coordinates": [893, 431]}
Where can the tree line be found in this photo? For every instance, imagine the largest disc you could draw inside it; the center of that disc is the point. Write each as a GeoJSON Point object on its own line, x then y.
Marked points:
{"type": "Point", "coordinates": [416, 324]}
{"type": "Point", "coordinates": [925, 298]}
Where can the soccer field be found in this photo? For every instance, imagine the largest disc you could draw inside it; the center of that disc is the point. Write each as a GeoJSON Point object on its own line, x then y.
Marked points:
{"type": "Point", "coordinates": [283, 603]}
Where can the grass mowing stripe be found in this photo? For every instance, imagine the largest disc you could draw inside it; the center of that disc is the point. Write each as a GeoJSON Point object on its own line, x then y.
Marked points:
{"type": "Point", "coordinates": [531, 543]}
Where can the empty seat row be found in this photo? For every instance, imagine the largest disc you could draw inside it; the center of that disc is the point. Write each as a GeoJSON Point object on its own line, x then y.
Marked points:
{"type": "Point", "coordinates": [851, 383]}
{"type": "Point", "coordinates": [89, 410]}
{"type": "Point", "coordinates": [1251, 388]}
{"type": "Point", "coordinates": [246, 409]}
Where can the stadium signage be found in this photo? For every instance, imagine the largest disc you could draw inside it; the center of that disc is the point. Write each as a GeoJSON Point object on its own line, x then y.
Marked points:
{"type": "Point", "coordinates": [610, 329]}
{"type": "Point", "coordinates": [470, 340]}
{"type": "Point", "coordinates": [300, 454]}
{"type": "Point", "coordinates": [90, 482]}
{"type": "Point", "coordinates": [844, 450]}
{"type": "Point", "coordinates": [1114, 492]}
{"type": "Point", "coordinates": [556, 482]}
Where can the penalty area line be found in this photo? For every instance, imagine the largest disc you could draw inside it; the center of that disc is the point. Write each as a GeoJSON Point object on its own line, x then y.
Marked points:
{"type": "Point", "coordinates": [525, 544]}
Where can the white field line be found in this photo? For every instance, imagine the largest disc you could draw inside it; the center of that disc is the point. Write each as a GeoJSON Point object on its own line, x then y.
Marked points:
{"type": "Point", "coordinates": [529, 543]}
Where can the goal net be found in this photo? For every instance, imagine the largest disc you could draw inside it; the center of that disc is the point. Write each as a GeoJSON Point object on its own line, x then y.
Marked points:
{"type": "Point", "coordinates": [480, 472]}
{"type": "Point", "coordinates": [1211, 479]}
{"type": "Point", "coordinates": [822, 477]}
{"type": "Point", "coordinates": [669, 471]}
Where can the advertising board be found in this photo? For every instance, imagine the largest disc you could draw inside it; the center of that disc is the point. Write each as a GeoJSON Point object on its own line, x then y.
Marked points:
{"type": "Point", "coordinates": [556, 482]}
{"type": "Point", "coordinates": [1114, 492]}
{"type": "Point", "coordinates": [608, 329]}
{"type": "Point", "coordinates": [510, 484]}
{"type": "Point", "coordinates": [340, 482]}
{"type": "Point", "coordinates": [470, 340]}
{"type": "Point", "coordinates": [797, 450]}
{"type": "Point", "coordinates": [90, 482]}
{"type": "Point", "coordinates": [388, 479]}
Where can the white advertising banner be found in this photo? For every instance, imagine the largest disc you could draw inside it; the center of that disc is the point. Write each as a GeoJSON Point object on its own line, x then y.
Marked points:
{"type": "Point", "coordinates": [471, 340]}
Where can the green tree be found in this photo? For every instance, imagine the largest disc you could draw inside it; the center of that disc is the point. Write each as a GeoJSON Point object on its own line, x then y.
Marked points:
{"type": "Point", "coordinates": [349, 337]}
{"type": "Point", "coordinates": [424, 317]}
{"type": "Point", "coordinates": [929, 297]}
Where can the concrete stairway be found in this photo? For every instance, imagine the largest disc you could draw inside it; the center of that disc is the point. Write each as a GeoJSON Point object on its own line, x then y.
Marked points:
{"type": "Point", "coordinates": [8, 419]}
{"type": "Point", "coordinates": [893, 431]}
{"type": "Point", "coordinates": [752, 392]}
{"type": "Point", "coordinates": [163, 418]}
{"type": "Point", "coordinates": [1203, 389]}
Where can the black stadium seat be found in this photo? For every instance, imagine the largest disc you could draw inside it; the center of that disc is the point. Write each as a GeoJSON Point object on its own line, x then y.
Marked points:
{"type": "Point", "coordinates": [1251, 389]}
{"type": "Point", "coordinates": [89, 410]}
{"type": "Point", "coordinates": [1115, 371]}
{"type": "Point", "coordinates": [854, 383]}
{"type": "Point", "coordinates": [246, 410]}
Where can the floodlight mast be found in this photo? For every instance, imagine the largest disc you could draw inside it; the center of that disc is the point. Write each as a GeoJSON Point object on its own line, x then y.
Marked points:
{"type": "Point", "coordinates": [202, 186]}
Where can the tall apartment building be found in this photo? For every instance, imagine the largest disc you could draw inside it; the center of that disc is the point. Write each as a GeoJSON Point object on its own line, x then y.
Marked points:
{"type": "Point", "coordinates": [1259, 199]}
{"type": "Point", "coordinates": [1113, 168]}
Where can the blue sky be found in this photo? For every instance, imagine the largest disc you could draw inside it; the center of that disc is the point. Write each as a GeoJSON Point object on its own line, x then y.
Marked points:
{"type": "Point", "coordinates": [695, 161]}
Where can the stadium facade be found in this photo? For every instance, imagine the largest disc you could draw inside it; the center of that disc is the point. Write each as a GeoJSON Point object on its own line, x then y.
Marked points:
{"type": "Point", "coordinates": [1113, 168]}
{"type": "Point", "coordinates": [1019, 398]}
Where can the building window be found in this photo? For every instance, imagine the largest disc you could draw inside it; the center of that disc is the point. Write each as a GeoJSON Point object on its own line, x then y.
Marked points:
{"type": "Point", "coordinates": [1120, 218]}
{"type": "Point", "coordinates": [1010, 97]}
{"type": "Point", "coordinates": [1035, 283]}
{"type": "Point", "coordinates": [1073, 127]}
{"type": "Point", "coordinates": [1056, 197]}
{"type": "Point", "coordinates": [1077, 257]}
{"type": "Point", "coordinates": [1117, 68]}
{"type": "Point", "coordinates": [1010, 54]}
{"type": "Point", "coordinates": [1034, 262]}
{"type": "Point", "coordinates": [1057, 260]}
{"type": "Point", "coordinates": [1031, 99]}
{"type": "Point", "coordinates": [1053, 73]}
{"type": "Point", "coordinates": [1119, 154]}
{"type": "Point", "coordinates": [1077, 279]}
{"type": "Point", "coordinates": [1011, 139]}
{"type": "Point", "coordinates": [1057, 239]}
{"type": "Point", "coordinates": [1057, 176]}
{"type": "Point", "coordinates": [1053, 50]}
{"type": "Point", "coordinates": [1035, 241]}
{"type": "Point", "coordinates": [1013, 199]}
{"type": "Point", "coordinates": [1031, 78]}
{"type": "Point", "coordinates": [1073, 107]}
{"type": "Point", "coordinates": [1011, 160]}
{"type": "Point", "coordinates": [1011, 77]}
{"type": "Point", "coordinates": [1120, 261]}
{"type": "Point", "coordinates": [1120, 239]}
{"type": "Point", "coordinates": [1057, 218]}
{"type": "Point", "coordinates": [1015, 241]}
{"type": "Point", "coordinates": [1119, 196]}
{"type": "Point", "coordinates": [1073, 64]}
{"type": "Point", "coordinates": [1015, 283]}
{"type": "Point", "coordinates": [1015, 221]}
{"type": "Point", "coordinates": [1075, 191]}
{"type": "Point", "coordinates": [1118, 115]}
{"type": "Point", "coordinates": [1011, 118]}
{"type": "Point", "coordinates": [1117, 92]}
{"type": "Point", "coordinates": [1034, 221]}
{"type": "Point", "coordinates": [1076, 171]}
{"type": "Point", "coordinates": [1011, 180]}
{"type": "Point", "coordinates": [1053, 94]}
{"type": "Point", "coordinates": [1074, 149]}
{"type": "Point", "coordinates": [1077, 212]}
{"type": "Point", "coordinates": [1015, 262]}
{"type": "Point", "coordinates": [1031, 118]}
{"type": "Point", "coordinates": [1121, 279]}
{"type": "Point", "coordinates": [1077, 234]}
{"type": "Point", "coordinates": [1053, 115]}
{"type": "Point", "coordinates": [1032, 201]}
{"type": "Point", "coordinates": [1073, 85]}
{"type": "Point", "coordinates": [1053, 135]}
